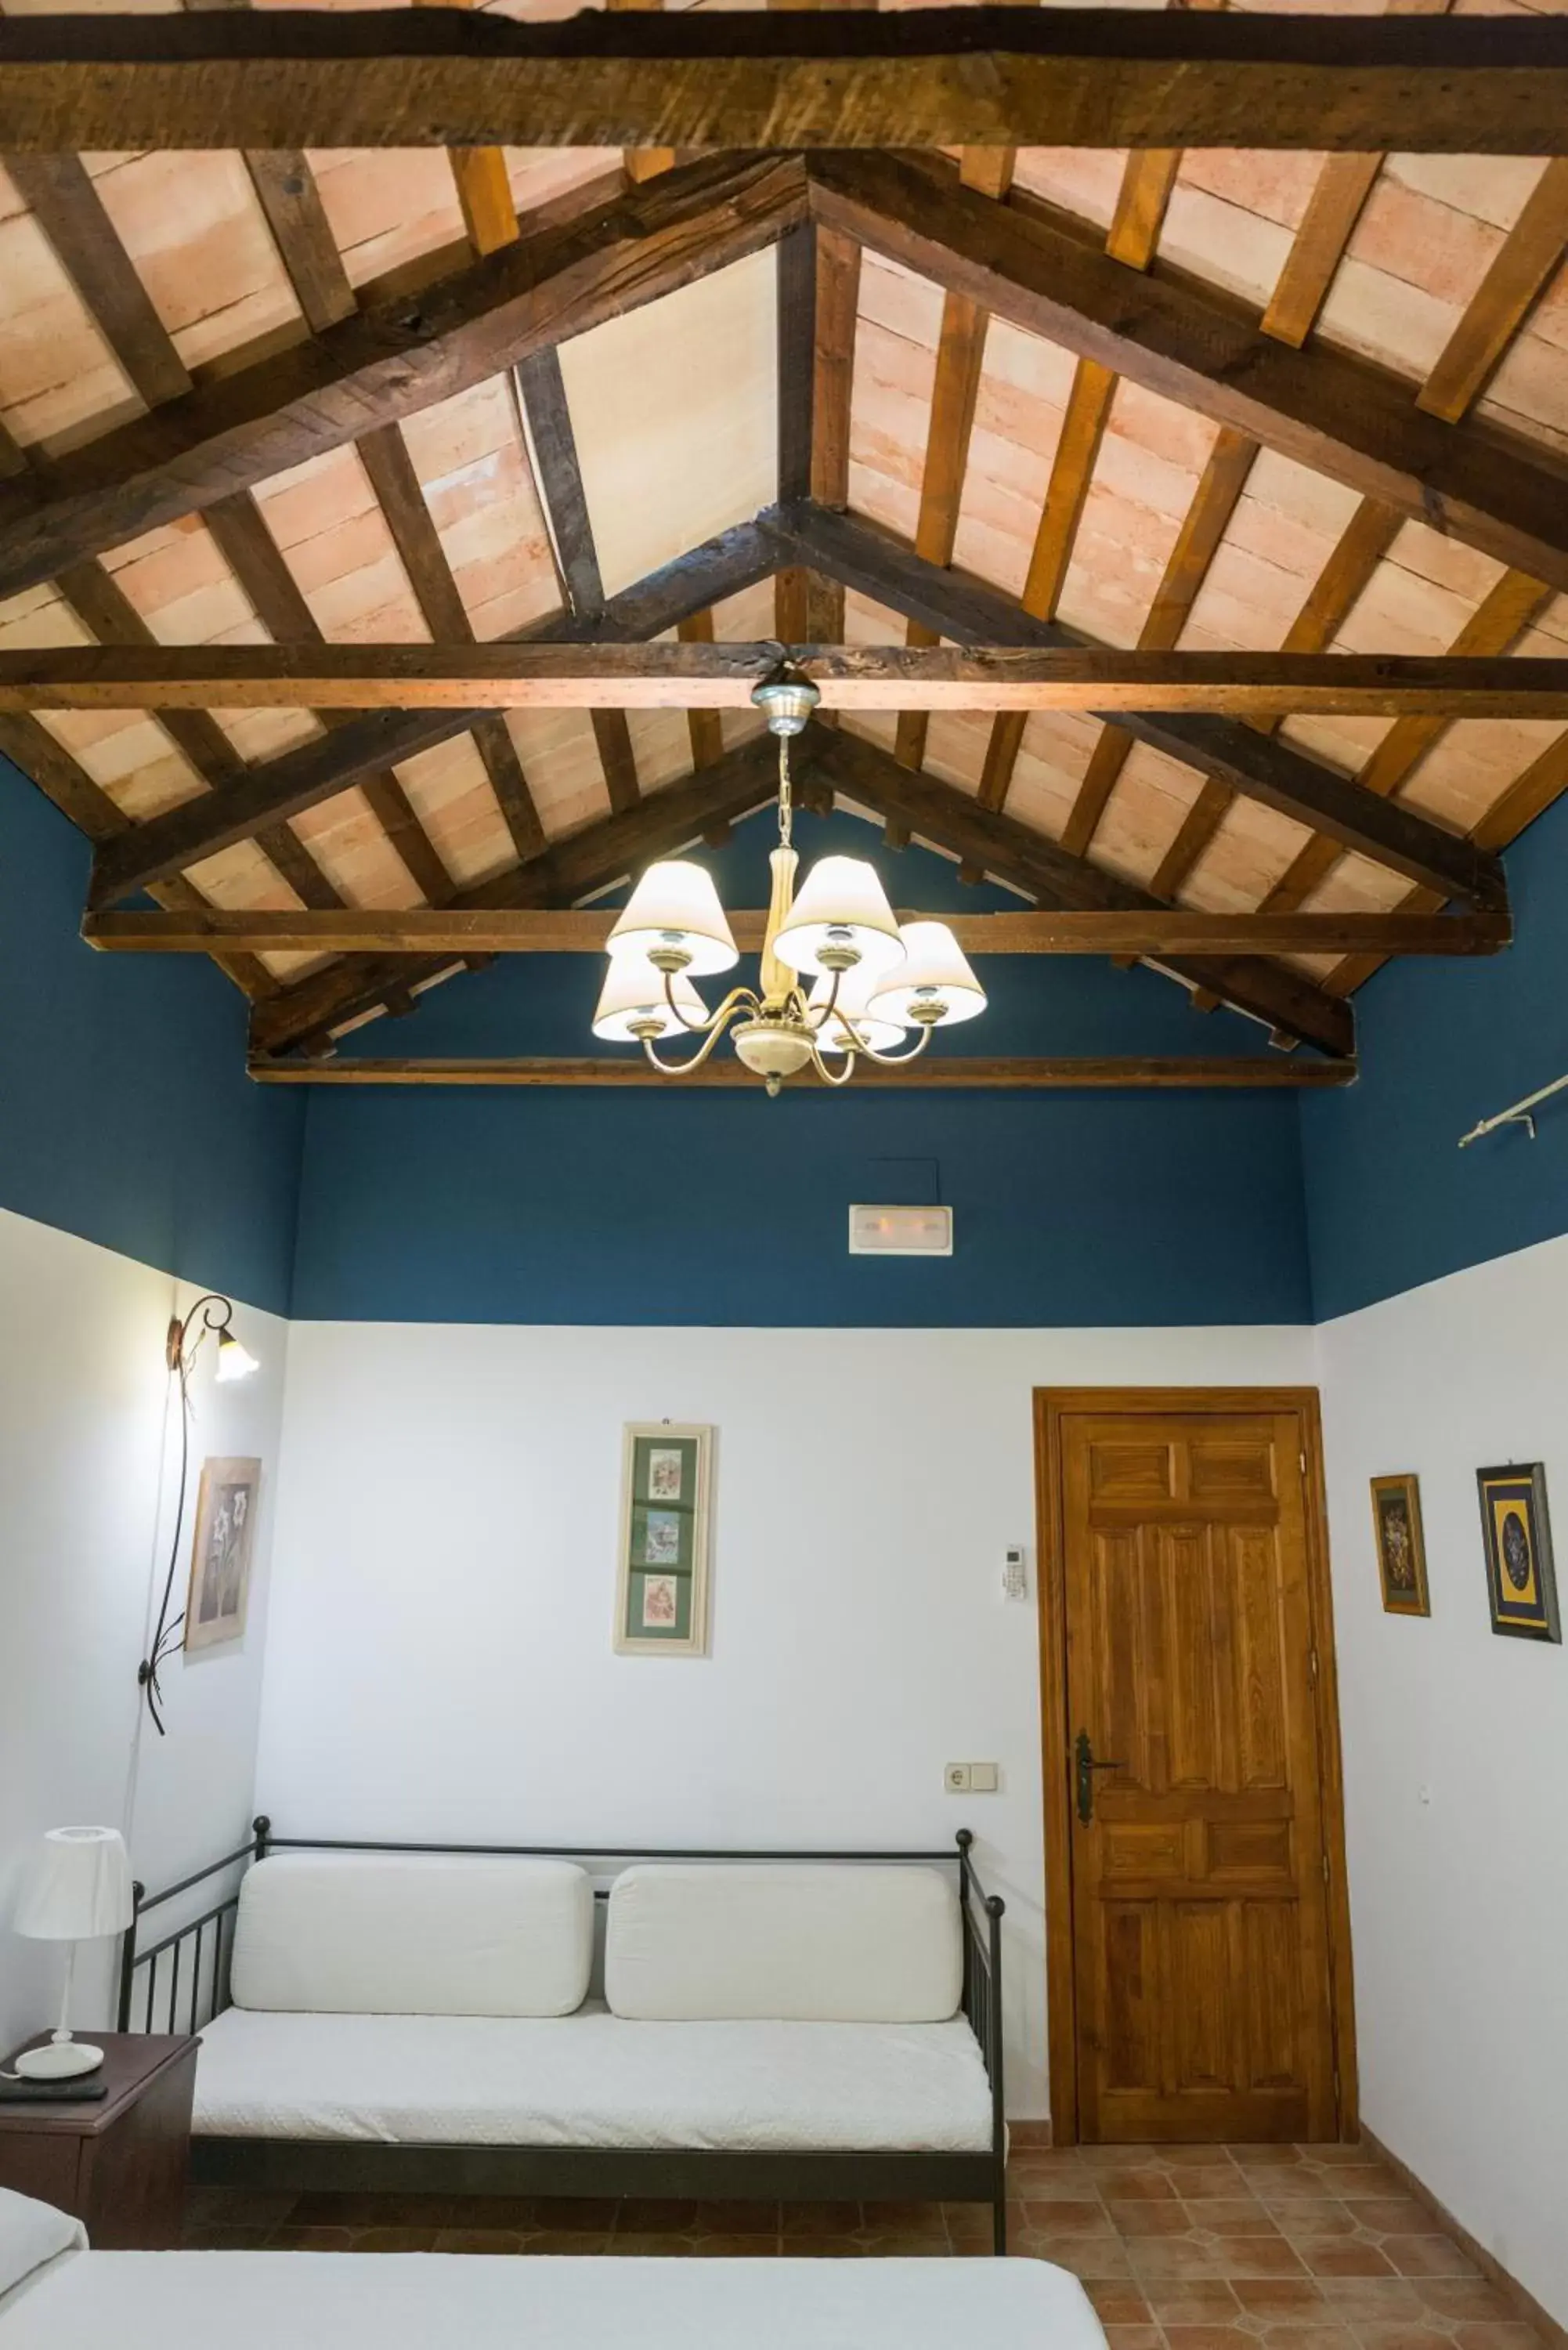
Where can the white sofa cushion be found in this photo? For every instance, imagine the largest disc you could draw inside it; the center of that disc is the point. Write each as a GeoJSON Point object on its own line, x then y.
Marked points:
{"type": "Point", "coordinates": [829, 1945]}
{"type": "Point", "coordinates": [592, 2079]}
{"type": "Point", "coordinates": [413, 1934]}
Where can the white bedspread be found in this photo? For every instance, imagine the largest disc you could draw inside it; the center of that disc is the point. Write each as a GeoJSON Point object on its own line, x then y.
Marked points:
{"type": "Point", "coordinates": [321, 2301]}
{"type": "Point", "coordinates": [592, 2080]}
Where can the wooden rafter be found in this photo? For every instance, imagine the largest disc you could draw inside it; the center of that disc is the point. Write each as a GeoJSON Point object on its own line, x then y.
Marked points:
{"type": "Point", "coordinates": [393, 359]}
{"type": "Point", "coordinates": [1528, 257]}
{"type": "Point", "coordinates": [312, 772]}
{"type": "Point", "coordinates": [257, 562]}
{"type": "Point", "coordinates": [935, 1072]}
{"type": "Point", "coordinates": [479, 174]}
{"type": "Point", "coordinates": [530, 931]}
{"type": "Point", "coordinates": [1324, 409]}
{"type": "Point", "coordinates": [579, 865]}
{"type": "Point", "coordinates": [69, 210]}
{"type": "Point", "coordinates": [985, 76]}
{"type": "Point", "coordinates": [508, 676]}
{"type": "Point", "coordinates": [1025, 859]}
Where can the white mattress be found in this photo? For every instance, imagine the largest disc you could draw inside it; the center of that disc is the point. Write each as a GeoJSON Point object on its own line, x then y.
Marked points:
{"type": "Point", "coordinates": [256, 2300]}
{"type": "Point", "coordinates": [592, 2079]}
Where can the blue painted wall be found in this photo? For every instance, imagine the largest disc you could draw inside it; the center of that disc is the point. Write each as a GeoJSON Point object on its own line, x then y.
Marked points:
{"type": "Point", "coordinates": [1393, 1201]}
{"type": "Point", "coordinates": [523, 1206]}
{"type": "Point", "coordinates": [126, 1115]}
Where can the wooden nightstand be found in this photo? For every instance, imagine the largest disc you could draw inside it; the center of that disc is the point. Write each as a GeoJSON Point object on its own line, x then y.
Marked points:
{"type": "Point", "coordinates": [119, 2164]}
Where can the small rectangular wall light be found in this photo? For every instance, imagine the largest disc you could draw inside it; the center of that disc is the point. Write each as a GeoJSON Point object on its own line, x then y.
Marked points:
{"type": "Point", "coordinates": [900, 1232]}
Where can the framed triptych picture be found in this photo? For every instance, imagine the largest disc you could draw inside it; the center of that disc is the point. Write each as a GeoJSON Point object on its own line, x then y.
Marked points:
{"type": "Point", "coordinates": [661, 1596]}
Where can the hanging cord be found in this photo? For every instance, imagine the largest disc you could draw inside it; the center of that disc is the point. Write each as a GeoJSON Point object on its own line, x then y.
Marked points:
{"type": "Point", "coordinates": [167, 1636]}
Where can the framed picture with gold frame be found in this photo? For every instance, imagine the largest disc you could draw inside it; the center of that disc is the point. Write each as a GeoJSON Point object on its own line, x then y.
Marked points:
{"type": "Point", "coordinates": [1520, 1577]}
{"type": "Point", "coordinates": [661, 1591]}
{"type": "Point", "coordinates": [1401, 1548]}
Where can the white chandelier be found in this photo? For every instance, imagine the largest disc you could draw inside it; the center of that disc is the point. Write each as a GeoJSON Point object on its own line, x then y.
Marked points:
{"type": "Point", "coordinates": [873, 978]}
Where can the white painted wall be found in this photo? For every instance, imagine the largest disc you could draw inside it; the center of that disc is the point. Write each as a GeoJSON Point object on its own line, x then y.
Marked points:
{"type": "Point", "coordinates": [87, 1490]}
{"type": "Point", "coordinates": [439, 1653]}
{"type": "Point", "coordinates": [1456, 1751]}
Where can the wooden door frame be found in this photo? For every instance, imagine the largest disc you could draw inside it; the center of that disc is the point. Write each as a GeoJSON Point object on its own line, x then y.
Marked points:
{"type": "Point", "coordinates": [1052, 1406]}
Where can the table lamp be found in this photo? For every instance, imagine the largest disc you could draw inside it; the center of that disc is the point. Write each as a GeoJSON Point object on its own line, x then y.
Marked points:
{"type": "Point", "coordinates": [77, 1887]}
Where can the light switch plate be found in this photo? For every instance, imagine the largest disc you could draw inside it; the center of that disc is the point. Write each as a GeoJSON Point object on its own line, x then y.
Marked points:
{"type": "Point", "coordinates": [956, 1778]}
{"type": "Point", "coordinates": [982, 1778]}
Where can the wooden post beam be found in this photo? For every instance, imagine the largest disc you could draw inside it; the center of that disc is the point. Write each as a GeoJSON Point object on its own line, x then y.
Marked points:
{"type": "Point", "coordinates": [985, 76]}
{"type": "Point", "coordinates": [935, 1072]}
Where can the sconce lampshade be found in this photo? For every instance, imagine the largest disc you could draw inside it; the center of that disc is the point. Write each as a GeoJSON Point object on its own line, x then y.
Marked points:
{"type": "Point", "coordinates": [676, 905]}
{"type": "Point", "coordinates": [936, 972]}
{"type": "Point", "coordinates": [634, 991]}
{"type": "Point", "coordinates": [234, 1361]}
{"type": "Point", "coordinates": [853, 998]}
{"type": "Point", "coordinates": [841, 902]}
{"type": "Point", "coordinates": [77, 1886]}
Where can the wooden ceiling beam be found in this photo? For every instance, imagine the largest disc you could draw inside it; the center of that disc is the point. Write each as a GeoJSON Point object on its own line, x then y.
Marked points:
{"type": "Point", "coordinates": [533, 676]}
{"type": "Point", "coordinates": [1189, 343]}
{"type": "Point", "coordinates": [579, 865]}
{"type": "Point", "coordinates": [393, 359]}
{"type": "Point", "coordinates": [585, 930]}
{"type": "Point", "coordinates": [979, 77]}
{"type": "Point", "coordinates": [1527, 259]}
{"type": "Point", "coordinates": [933, 1073]}
{"type": "Point", "coordinates": [315, 771]}
{"type": "Point", "coordinates": [998, 844]}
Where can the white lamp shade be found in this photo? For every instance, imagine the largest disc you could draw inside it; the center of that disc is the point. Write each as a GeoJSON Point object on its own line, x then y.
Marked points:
{"type": "Point", "coordinates": [841, 897]}
{"type": "Point", "coordinates": [632, 991]}
{"type": "Point", "coordinates": [935, 971]}
{"type": "Point", "coordinates": [234, 1361]}
{"type": "Point", "coordinates": [675, 904]}
{"type": "Point", "coordinates": [77, 1886]}
{"type": "Point", "coordinates": [853, 990]}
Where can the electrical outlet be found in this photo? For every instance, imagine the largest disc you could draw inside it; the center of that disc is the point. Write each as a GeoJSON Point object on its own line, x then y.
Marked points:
{"type": "Point", "coordinates": [956, 1778]}
{"type": "Point", "coordinates": [982, 1778]}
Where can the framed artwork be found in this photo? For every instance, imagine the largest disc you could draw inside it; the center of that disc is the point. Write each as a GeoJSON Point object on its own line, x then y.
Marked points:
{"type": "Point", "coordinates": [1517, 1536]}
{"type": "Point", "coordinates": [661, 1594]}
{"type": "Point", "coordinates": [1401, 1551]}
{"type": "Point", "coordinates": [221, 1552]}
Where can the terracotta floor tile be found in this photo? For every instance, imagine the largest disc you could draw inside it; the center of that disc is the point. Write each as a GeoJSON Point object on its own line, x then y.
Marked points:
{"type": "Point", "coordinates": [741, 2218]}
{"type": "Point", "coordinates": [1288, 2334]}
{"type": "Point", "coordinates": [477, 2211]}
{"type": "Point", "coordinates": [905, 2248]}
{"type": "Point", "coordinates": [1070, 2219]}
{"type": "Point", "coordinates": [650, 2244]}
{"type": "Point", "coordinates": [1359, 2179]}
{"type": "Point", "coordinates": [1205, 2337]}
{"type": "Point", "coordinates": [1127, 2186]}
{"type": "Point", "coordinates": [312, 2240]}
{"type": "Point", "coordinates": [1467, 2297]}
{"type": "Point", "coordinates": [1257, 2256]}
{"type": "Point", "coordinates": [1147, 2217]}
{"type": "Point", "coordinates": [1196, 2301]}
{"type": "Point", "coordinates": [1194, 2158]}
{"type": "Point", "coordinates": [1122, 2158]}
{"type": "Point", "coordinates": [395, 2239]}
{"type": "Point", "coordinates": [1279, 2296]}
{"type": "Point", "coordinates": [735, 2247]}
{"type": "Point", "coordinates": [907, 2219]}
{"type": "Point", "coordinates": [1088, 2256]}
{"type": "Point", "coordinates": [1410, 2335]}
{"type": "Point", "coordinates": [371, 2210]}
{"type": "Point", "coordinates": [1310, 2223]}
{"type": "Point", "coordinates": [1261, 2157]}
{"type": "Point", "coordinates": [1049, 2162]}
{"type": "Point", "coordinates": [1340, 2152]}
{"type": "Point", "coordinates": [1428, 2256]}
{"type": "Point", "coordinates": [1389, 2215]}
{"type": "Point", "coordinates": [479, 2240]}
{"type": "Point", "coordinates": [1026, 2180]}
{"type": "Point", "coordinates": [1380, 2297]}
{"type": "Point", "coordinates": [822, 2248]}
{"type": "Point", "coordinates": [1133, 2337]}
{"type": "Point", "coordinates": [1210, 2180]}
{"type": "Point", "coordinates": [551, 2240]}
{"type": "Point", "coordinates": [1229, 2218]}
{"type": "Point", "coordinates": [1346, 2259]}
{"type": "Point", "coordinates": [557, 2214]}
{"type": "Point", "coordinates": [1497, 2334]}
{"type": "Point", "coordinates": [1116, 2303]}
{"type": "Point", "coordinates": [1297, 2186]}
{"type": "Point", "coordinates": [1173, 2256]}
{"type": "Point", "coordinates": [647, 2215]}
{"type": "Point", "coordinates": [217, 2237]}
{"type": "Point", "coordinates": [820, 2219]}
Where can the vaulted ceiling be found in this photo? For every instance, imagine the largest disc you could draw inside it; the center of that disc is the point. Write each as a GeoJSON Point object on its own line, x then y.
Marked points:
{"type": "Point", "coordinates": [1162, 402]}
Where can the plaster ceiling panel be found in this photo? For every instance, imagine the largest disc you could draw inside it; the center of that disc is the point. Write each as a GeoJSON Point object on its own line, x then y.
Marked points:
{"type": "Point", "coordinates": [674, 410]}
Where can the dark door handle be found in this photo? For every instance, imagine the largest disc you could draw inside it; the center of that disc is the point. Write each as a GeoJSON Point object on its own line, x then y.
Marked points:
{"type": "Point", "coordinates": [1086, 1767]}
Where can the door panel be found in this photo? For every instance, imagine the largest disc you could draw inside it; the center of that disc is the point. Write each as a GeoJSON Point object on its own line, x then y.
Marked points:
{"type": "Point", "coordinates": [1199, 1917]}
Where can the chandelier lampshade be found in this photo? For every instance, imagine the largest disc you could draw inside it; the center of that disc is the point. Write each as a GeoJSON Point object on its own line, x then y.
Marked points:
{"type": "Point", "coordinates": [632, 1002]}
{"type": "Point", "coordinates": [934, 986]}
{"type": "Point", "coordinates": [840, 919]}
{"type": "Point", "coordinates": [852, 1001]}
{"type": "Point", "coordinates": [675, 912]}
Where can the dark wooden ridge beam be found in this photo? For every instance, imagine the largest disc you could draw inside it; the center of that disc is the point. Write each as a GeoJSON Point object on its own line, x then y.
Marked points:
{"type": "Point", "coordinates": [1234, 756]}
{"type": "Point", "coordinates": [470, 929]}
{"type": "Point", "coordinates": [395, 358]}
{"type": "Point", "coordinates": [987, 77]}
{"type": "Point", "coordinates": [579, 865]}
{"type": "Point", "coordinates": [695, 676]}
{"type": "Point", "coordinates": [934, 1072]}
{"type": "Point", "coordinates": [998, 844]}
{"type": "Point", "coordinates": [318, 770]}
{"type": "Point", "coordinates": [1193, 345]}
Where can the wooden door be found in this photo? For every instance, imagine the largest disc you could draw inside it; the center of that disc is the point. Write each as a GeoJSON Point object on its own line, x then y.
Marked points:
{"type": "Point", "coordinates": [1202, 1976]}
